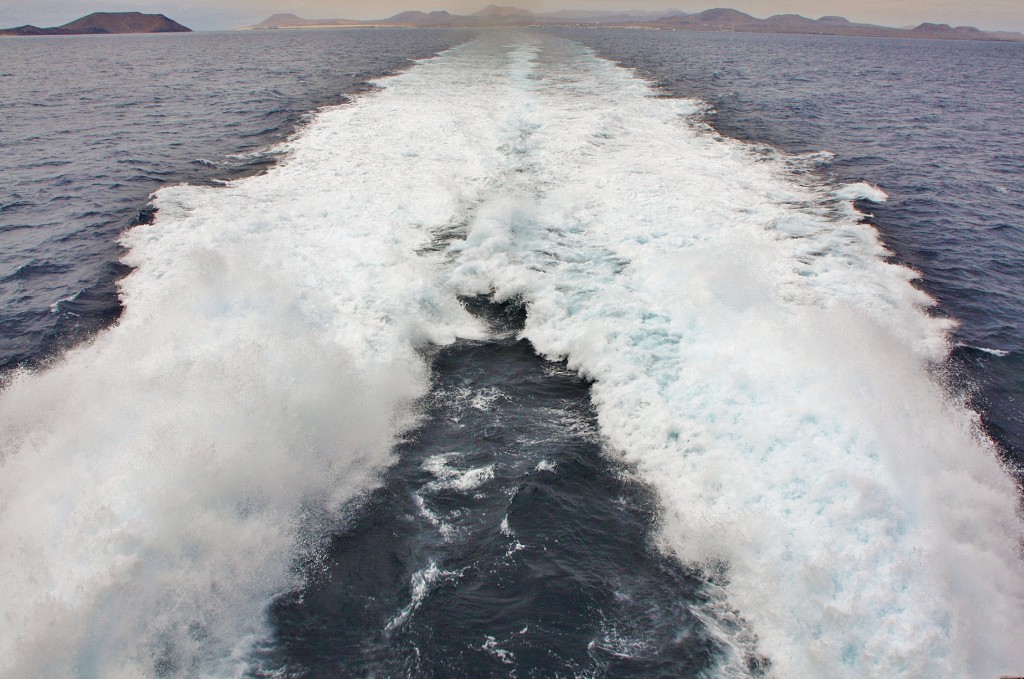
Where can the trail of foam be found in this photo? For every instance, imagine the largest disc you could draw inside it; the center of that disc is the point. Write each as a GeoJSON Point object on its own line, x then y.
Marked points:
{"type": "Point", "coordinates": [158, 484]}
{"type": "Point", "coordinates": [753, 355]}
{"type": "Point", "coordinates": [766, 370]}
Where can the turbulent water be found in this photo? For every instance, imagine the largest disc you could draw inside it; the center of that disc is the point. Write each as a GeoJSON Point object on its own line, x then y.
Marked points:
{"type": "Point", "coordinates": [511, 367]}
{"type": "Point", "coordinates": [87, 136]}
{"type": "Point", "coordinates": [933, 123]}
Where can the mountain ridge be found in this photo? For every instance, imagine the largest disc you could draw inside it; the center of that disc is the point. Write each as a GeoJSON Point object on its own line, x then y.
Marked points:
{"type": "Point", "coordinates": [504, 11]}
{"type": "Point", "coordinates": [715, 19]}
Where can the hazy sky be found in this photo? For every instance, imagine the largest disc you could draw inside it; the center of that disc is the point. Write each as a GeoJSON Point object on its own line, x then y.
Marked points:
{"type": "Point", "coordinates": [219, 14]}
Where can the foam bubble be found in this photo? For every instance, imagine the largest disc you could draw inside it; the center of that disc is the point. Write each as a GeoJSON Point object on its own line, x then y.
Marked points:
{"type": "Point", "coordinates": [451, 478]}
{"type": "Point", "coordinates": [1000, 353]}
{"type": "Point", "coordinates": [862, 191]}
{"type": "Point", "coordinates": [490, 646]}
{"type": "Point", "coordinates": [422, 583]}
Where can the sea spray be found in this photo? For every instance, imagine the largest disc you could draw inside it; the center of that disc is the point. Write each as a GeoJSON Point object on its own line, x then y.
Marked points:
{"type": "Point", "coordinates": [160, 482]}
{"type": "Point", "coordinates": [755, 358]}
{"type": "Point", "coordinates": [761, 364]}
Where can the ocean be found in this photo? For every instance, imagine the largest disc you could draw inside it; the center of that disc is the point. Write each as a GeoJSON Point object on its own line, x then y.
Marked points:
{"type": "Point", "coordinates": [595, 353]}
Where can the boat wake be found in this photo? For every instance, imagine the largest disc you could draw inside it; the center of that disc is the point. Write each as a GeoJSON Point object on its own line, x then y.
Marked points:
{"type": "Point", "coordinates": [755, 358]}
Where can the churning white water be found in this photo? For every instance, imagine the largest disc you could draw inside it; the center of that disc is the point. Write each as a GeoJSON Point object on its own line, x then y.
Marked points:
{"type": "Point", "coordinates": [766, 370]}
{"type": "Point", "coordinates": [754, 357]}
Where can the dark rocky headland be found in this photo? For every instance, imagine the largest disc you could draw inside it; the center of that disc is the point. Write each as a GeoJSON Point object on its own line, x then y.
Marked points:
{"type": "Point", "coordinates": [99, 23]}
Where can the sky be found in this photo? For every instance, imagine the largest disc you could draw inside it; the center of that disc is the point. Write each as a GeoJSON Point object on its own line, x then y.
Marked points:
{"type": "Point", "coordinates": [226, 14]}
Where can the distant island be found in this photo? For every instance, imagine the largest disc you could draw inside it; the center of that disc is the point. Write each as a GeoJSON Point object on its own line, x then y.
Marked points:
{"type": "Point", "coordinates": [100, 23]}
{"type": "Point", "coordinates": [718, 19]}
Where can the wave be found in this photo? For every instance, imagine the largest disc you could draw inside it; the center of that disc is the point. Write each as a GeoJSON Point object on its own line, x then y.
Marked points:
{"type": "Point", "coordinates": [761, 364]}
{"type": "Point", "coordinates": [754, 357]}
{"type": "Point", "coordinates": [160, 484]}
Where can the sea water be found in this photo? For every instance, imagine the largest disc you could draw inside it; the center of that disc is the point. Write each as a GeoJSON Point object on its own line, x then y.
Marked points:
{"type": "Point", "coordinates": [511, 366]}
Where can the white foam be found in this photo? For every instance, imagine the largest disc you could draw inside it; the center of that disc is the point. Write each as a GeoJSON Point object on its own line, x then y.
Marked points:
{"type": "Point", "coordinates": [486, 399]}
{"type": "Point", "coordinates": [766, 371]}
{"type": "Point", "coordinates": [514, 544]}
{"type": "Point", "coordinates": [862, 191]}
{"type": "Point", "coordinates": [422, 583]}
{"type": "Point", "coordinates": [490, 646]}
{"type": "Point", "coordinates": [1000, 353]}
{"type": "Point", "coordinates": [452, 478]}
{"type": "Point", "coordinates": [158, 484]}
{"type": "Point", "coordinates": [56, 306]}
{"type": "Point", "coordinates": [448, 531]}
{"type": "Point", "coordinates": [753, 356]}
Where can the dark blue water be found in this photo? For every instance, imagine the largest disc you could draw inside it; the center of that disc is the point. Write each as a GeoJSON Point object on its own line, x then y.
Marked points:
{"type": "Point", "coordinates": [90, 126]}
{"type": "Point", "coordinates": [935, 123]}
{"type": "Point", "coordinates": [505, 540]}
{"type": "Point", "coordinates": [517, 546]}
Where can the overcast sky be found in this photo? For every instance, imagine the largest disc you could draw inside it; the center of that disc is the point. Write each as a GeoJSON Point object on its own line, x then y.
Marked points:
{"type": "Point", "coordinates": [221, 14]}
